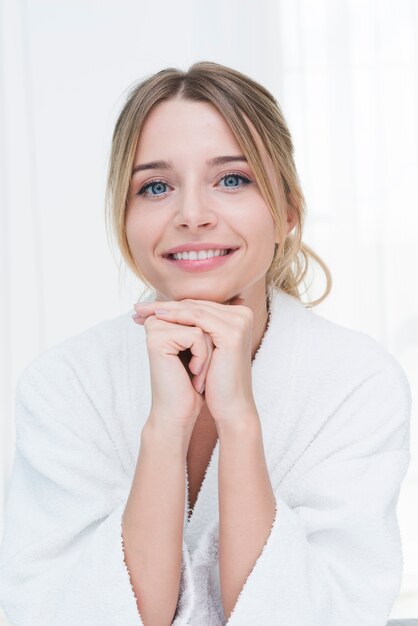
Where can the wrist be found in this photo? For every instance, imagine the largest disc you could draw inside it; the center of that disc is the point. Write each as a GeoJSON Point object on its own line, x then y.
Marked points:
{"type": "Point", "coordinates": [174, 439]}
{"type": "Point", "coordinates": [246, 425]}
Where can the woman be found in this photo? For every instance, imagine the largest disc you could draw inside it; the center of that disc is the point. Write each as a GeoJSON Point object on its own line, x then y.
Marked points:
{"type": "Point", "coordinates": [283, 435]}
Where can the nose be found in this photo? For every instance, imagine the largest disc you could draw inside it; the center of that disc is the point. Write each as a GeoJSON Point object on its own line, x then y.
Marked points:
{"type": "Point", "coordinates": [194, 211]}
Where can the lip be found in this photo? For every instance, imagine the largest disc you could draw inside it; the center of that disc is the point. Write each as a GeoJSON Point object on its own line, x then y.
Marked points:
{"type": "Point", "coordinates": [195, 247]}
{"type": "Point", "coordinates": [201, 265]}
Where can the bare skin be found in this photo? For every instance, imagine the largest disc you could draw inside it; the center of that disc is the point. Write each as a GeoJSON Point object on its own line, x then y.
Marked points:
{"type": "Point", "coordinates": [195, 206]}
{"type": "Point", "coordinates": [202, 443]}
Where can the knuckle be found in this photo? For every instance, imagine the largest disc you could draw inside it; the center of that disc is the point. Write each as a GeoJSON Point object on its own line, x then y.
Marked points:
{"type": "Point", "coordinates": [242, 324]}
{"type": "Point", "coordinates": [249, 313]}
{"type": "Point", "coordinates": [235, 336]}
{"type": "Point", "coordinates": [148, 322]}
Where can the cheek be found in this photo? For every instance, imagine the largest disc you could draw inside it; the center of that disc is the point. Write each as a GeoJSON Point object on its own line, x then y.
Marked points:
{"type": "Point", "coordinates": [131, 236]}
{"type": "Point", "coordinates": [260, 225]}
{"type": "Point", "coordinates": [138, 233]}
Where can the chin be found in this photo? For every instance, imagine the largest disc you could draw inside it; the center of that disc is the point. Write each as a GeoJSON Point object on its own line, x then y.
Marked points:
{"type": "Point", "coordinates": [202, 294]}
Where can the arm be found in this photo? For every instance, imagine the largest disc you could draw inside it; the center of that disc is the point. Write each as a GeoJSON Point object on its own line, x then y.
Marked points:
{"type": "Point", "coordinates": [62, 559]}
{"type": "Point", "coordinates": [246, 505]}
{"type": "Point", "coordinates": [334, 555]}
{"type": "Point", "coordinates": [153, 524]}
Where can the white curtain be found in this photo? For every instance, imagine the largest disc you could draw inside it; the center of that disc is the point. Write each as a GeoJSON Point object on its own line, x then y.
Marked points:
{"type": "Point", "coordinates": [346, 76]}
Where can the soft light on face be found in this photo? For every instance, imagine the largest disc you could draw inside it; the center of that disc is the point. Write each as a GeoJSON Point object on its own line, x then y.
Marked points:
{"type": "Point", "coordinates": [194, 201]}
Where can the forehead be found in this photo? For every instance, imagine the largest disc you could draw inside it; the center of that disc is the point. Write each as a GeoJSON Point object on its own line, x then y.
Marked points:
{"type": "Point", "coordinates": [178, 126]}
{"type": "Point", "coordinates": [177, 118]}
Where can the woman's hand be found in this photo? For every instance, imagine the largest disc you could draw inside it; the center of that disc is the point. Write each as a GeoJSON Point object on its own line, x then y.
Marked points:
{"type": "Point", "coordinates": [227, 370]}
{"type": "Point", "coordinates": [175, 401]}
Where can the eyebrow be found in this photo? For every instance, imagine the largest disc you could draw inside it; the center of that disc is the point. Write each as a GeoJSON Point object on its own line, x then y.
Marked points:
{"type": "Point", "coordinates": [168, 165]}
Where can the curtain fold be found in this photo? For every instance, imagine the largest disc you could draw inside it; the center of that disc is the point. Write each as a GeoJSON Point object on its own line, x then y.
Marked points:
{"type": "Point", "coordinates": [22, 298]}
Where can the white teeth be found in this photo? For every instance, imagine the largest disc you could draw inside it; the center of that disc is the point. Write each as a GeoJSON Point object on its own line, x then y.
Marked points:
{"type": "Point", "coordinates": [202, 254]}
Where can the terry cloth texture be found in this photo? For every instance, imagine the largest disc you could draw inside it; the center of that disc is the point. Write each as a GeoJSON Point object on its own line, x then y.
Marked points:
{"type": "Point", "coordinates": [334, 407]}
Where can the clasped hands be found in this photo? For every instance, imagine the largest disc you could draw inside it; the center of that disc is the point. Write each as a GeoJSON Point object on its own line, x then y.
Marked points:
{"type": "Point", "coordinates": [225, 373]}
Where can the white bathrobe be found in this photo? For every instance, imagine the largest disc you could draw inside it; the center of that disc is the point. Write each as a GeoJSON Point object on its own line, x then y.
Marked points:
{"type": "Point", "coordinates": [334, 407]}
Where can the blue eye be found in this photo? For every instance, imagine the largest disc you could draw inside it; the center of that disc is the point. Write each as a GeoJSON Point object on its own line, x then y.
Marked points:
{"type": "Point", "coordinates": [233, 175]}
{"type": "Point", "coordinates": [158, 188]}
{"type": "Point", "coordinates": [154, 183]}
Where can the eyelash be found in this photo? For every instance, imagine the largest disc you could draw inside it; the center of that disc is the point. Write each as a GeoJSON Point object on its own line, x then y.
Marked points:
{"type": "Point", "coordinates": [152, 196]}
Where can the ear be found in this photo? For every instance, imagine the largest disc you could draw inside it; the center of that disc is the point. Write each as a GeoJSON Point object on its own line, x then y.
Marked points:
{"type": "Point", "coordinates": [291, 217]}
{"type": "Point", "coordinates": [291, 213]}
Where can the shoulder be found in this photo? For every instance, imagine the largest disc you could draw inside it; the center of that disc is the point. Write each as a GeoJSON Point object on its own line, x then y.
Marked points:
{"type": "Point", "coordinates": [337, 349]}
{"type": "Point", "coordinates": [341, 367]}
{"type": "Point", "coordinates": [86, 373]}
{"type": "Point", "coordinates": [89, 347]}
{"type": "Point", "coordinates": [349, 397]}
{"type": "Point", "coordinates": [353, 354]}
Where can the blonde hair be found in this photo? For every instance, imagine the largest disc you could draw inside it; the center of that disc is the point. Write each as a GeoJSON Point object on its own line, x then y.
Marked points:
{"type": "Point", "coordinates": [237, 97]}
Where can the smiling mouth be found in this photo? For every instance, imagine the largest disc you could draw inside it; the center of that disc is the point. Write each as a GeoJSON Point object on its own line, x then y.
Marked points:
{"type": "Point", "coordinates": [206, 258]}
{"type": "Point", "coordinates": [201, 265]}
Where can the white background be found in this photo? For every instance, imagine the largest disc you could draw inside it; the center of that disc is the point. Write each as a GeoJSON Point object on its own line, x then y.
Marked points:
{"type": "Point", "coordinates": [346, 76]}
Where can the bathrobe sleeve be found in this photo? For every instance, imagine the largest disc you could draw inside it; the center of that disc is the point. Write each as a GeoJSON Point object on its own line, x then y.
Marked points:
{"type": "Point", "coordinates": [62, 560]}
{"type": "Point", "coordinates": [333, 555]}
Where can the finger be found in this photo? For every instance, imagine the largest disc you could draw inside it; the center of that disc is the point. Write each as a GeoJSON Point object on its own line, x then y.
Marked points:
{"type": "Point", "coordinates": [175, 339]}
{"type": "Point", "coordinates": [207, 318]}
{"type": "Point", "coordinates": [146, 308]}
{"type": "Point", "coordinates": [196, 362]}
{"type": "Point", "coordinates": [227, 332]}
{"type": "Point", "coordinates": [171, 307]}
{"type": "Point", "coordinates": [215, 305]}
{"type": "Point", "coordinates": [139, 319]}
{"type": "Point", "coordinates": [199, 363]}
{"type": "Point", "coordinates": [200, 379]}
